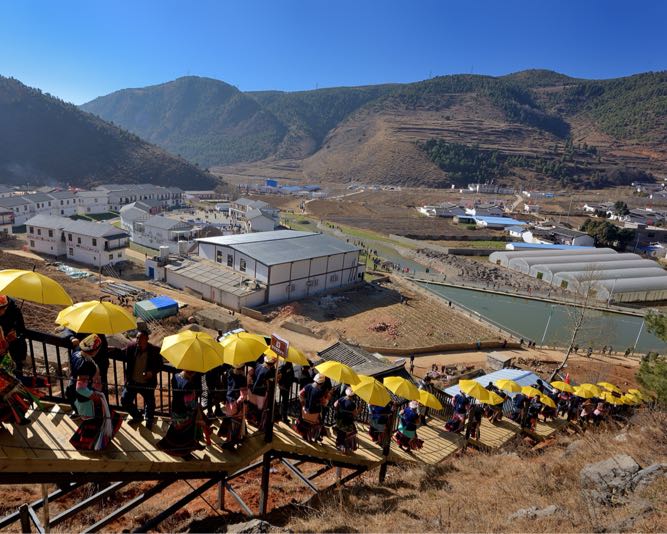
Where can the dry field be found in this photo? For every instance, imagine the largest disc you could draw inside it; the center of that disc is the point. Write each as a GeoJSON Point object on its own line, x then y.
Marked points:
{"type": "Point", "coordinates": [375, 316]}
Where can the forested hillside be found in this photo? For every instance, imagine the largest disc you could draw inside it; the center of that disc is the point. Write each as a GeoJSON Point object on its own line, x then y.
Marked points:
{"type": "Point", "coordinates": [373, 133]}
{"type": "Point", "coordinates": [43, 138]}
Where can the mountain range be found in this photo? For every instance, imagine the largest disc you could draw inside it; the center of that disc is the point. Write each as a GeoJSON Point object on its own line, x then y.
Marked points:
{"type": "Point", "coordinates": [532, 126]}
{"type": "Point", "coordinates": [46, 140]}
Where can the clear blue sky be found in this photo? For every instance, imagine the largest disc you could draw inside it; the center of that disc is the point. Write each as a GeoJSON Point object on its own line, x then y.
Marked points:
{"type": "Point", "coordinates": [78, 50]}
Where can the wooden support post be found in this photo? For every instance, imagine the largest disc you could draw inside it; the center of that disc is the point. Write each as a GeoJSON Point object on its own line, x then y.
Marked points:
{"type": "Point", "coordinates": [45, 509]}
{"type": "Point", "coordinates": [264, 488]}
{"type": "Point", "coordinates": [24, 516]}
{"type": "Point", "coordinates": [339, 486]}
{"type": "Point", "coordinates": [221, 494]}
{"type": "Point", "coordinates": [270, 408]}
{"type": "Point", "coordinates": [386, 445]}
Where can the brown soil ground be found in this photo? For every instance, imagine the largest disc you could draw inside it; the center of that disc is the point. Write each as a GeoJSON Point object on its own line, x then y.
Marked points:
{"type": "Point", "coordinates": [374, 315]}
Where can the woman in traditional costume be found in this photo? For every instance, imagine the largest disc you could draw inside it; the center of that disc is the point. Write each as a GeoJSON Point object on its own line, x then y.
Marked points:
{"type": "Point", "coordinates": [99, 423]}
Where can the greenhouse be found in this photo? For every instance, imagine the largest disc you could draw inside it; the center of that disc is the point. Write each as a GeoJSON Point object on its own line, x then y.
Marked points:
{"type": "Point", "coordinates": [524, 264]}
{"type": "Point", "coordinates": [579, 281]}
{"type": "Point", "coordinates": [503, 257]}
{"type": "Point", "coordinates": [546, 271]}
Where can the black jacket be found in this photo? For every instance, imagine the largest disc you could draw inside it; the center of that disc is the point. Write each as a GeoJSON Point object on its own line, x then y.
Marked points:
{"type": "Point", "coordinates": [153, 362]}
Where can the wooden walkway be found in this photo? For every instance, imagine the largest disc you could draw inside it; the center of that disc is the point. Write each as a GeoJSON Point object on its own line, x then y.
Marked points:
{"type": "Point", "coordinates": [42, 450]}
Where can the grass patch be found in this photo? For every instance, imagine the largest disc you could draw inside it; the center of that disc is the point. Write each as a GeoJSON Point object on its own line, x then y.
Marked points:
{"type": "Point", "coordinates": [103, 216]}
{"type": "Point", "coordinates": [144, 250]}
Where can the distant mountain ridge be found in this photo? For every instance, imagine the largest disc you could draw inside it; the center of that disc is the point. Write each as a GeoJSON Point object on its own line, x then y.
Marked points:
{"type": "Point", "coordinates": [43, 139]}
{"type": "Point", "coordinates": [374, 132]}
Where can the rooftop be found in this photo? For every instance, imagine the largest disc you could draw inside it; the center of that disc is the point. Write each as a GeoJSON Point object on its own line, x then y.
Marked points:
{"type": "Point", "coordinates": [520, 376]}
{"type": "Point", "coordinates": [11, 202]}
{"type": "Point", "coordinates": [229, 240]}
{"type": "Point", "coordinates": [508, 221]}
{"type": "Point", "coordinates": [298, 248]}
{"type": "Point", "coordinates": [362, 361]}
{"type": "Point", "coordinates": [95, 229]}
{"type": "Point", "coordinates": [166, 223]}
{"type": "Point", "coordinates": [52, 222]}
{"type": "Point", "coordinates": [213, 274]}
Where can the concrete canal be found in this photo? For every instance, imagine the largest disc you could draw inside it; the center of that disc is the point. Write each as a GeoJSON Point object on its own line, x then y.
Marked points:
{"type": "Point", "coordinates": [528, 318]}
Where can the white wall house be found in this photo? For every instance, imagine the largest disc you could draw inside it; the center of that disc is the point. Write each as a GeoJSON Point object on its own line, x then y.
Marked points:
{"type": "Point", "coordinates": [129, 214]}
{"type": "Point", "coordinates": [6, 191]}
{"type": "Point", "coordinates": [6, 222]}
{"type": "Point", "coordinates": [90, 243]}
{"type": "Point", "coordinates": [64, 204]}
{"type": "Point", "coordinates": [118, 195]}
{"type": "Point", "coordinates": [158, 231]}
{"type": "Point", "coordinates": [291, 264]}
{"type": "Point", "coordinates": [91, 202]}
{"type": "Point", "coordinates": [23, 209]}
{"type": "Point", "coordinates": [254, 215]}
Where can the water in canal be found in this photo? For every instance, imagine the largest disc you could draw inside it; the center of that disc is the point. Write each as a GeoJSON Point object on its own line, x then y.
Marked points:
{"type": "Point", "coordinates": [528, 319]}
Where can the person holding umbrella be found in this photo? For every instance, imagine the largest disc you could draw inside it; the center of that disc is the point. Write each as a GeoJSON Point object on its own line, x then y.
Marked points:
{"type": "Point", "coordinates": [262, 380]}
{"type": "Point", "coordinates": [99, 423]}
{"type": "Point", "coordinates": [406, 435]}
{"type": "Point", "coordinates": [346, 431]}
{"type": "Point", "coordinates": [232, 428]}
{"type": "Point", "coordinates": [312, 397]}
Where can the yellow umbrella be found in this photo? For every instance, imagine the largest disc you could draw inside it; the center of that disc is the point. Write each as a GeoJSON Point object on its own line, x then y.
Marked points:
{"type": "Point", "coordinates": [429, 400]}
{"type": "Point", "coordinates": [32, 286]}
{"type": "Point", "coordinates": [609, 387]}
{"type": "Point", "coordinates": [474, 389]}
{"type": "Point", "coordinates": [401, 387]}
{"type": "Point", "coordinates": [634, 391]}
{"type": "Point", "coordinates": [494, 398]}
{"type": "Point", "coordinates": [248, 335]}
{"type": "Point", "coordinates": [530, 391]}
{"type": "Point", "coordinates": [592, 388]}
{"type": "Point", "coordinates": [583, 393]}
{"type": "Point", "coordinates": [563, 386]}
{"type": "Point", "coordinates": [339, 372]}
{"type": "Point", "coordinates": [547, 401]}
{"type": "Point", "coordinates": [294, 355]}
{"type": "Point", "coordinates": [372, 391]}
{"type": "Point", "coordinates": [192, 351]}
{"type": "Point", "coordinates": [631, 399]}
{"type": "Point", "coordinates": [97, 317]}
{"type": "Point", "coordinates": [508, 385]}
{"type": "Point", "coordinates": [239, 350]}
{"type": "Point", "coordinates": [607, 396]}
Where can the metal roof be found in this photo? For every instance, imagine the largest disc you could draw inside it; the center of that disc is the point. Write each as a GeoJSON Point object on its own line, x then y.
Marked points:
{"type": "Point", "coordinates": [166, 223]}
{"type": "Point", "coordinates": [62, 194]}
{"type": "Point", "coordinates": [520, 376]}
{"type": "Point", "coordinates": [214, 275]}
{"type": "Point", "coordinates": [546, 246]}
{"type": "Point", "coordinates": [294, 249]}
{"type": "Point", "coordinates": [38, 197]}
{"type": "Point", "coordinates": [52, 222]}
{"type": "Point", "coordinates": [229, 240]}
{"type": "Point", "coordinates": [11, 202]}
{"type": "Point", "coordinates": [362, 361]}
{"type": "Point", "coordinates": [95, 229]}
{"type": "Point", "coordinates": [507, 221]}
{"type": "Point", "coordinates": [549, 271]}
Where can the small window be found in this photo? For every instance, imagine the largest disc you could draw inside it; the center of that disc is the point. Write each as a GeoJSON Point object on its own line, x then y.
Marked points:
{"type": "Point", "coordinates": [230, 260]}
{"type": "Point", "coordinates": [69, 238]}
{"type": "Point", "coordinates": [563, 284]}
{"type": "Point", "coordinates": [32, 229]}
{"type": "Point", "coordinates": [32, 243]}
{"type": "Point", "coordinates": [61, 202]}
{"type": "Point", "coordinates": [94, 242]}
{"type": "Point", "coordinates": [39, 231]}
{"type": "Point", "coordinates": [50, 233]}
{"type": "Point", "coordinates": [71, 251]}
{"type": "Point", "coordinates": [333, 278]}
{"type": "Point", "coordinates": [119, 255]}
{"type": "Point", "coordinates": [78, 240]}
{"type": "Point", "coordinates": [111, 256]}
{"type": "Point", "coordinates": [218, 256]}
{"type": "Point", "coordinates": [242, 265]}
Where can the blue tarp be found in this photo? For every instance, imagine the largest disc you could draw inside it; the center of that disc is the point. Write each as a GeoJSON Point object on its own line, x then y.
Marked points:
{"type": "Point", "coordinates": [507, 221]}
{"type": "Point", "coordinates": [520, 376]}
{"type": "Point", "coordinates": [156, 308]}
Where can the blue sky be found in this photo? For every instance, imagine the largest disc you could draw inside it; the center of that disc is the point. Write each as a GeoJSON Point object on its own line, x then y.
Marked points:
{"type": "Point", "coordinates": [78, 50]}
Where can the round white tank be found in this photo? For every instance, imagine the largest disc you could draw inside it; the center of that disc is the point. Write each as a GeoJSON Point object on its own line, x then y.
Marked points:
{"type": "Point", "coordinates": [164, 252]}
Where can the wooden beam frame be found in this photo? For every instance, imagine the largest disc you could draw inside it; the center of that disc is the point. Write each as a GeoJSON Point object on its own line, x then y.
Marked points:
{"type": "Point", "coordinates": [299, 474]}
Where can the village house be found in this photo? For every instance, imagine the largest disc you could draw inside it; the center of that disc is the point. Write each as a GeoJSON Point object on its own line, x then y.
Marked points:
{"type": "Point", "coordinates": [65, 203]}
{"type": "Point", "coordinates": [159, 231]}
{"type": "Point", "coordinates": [118, 195]}
{"type": "Point", "coordinates": [23, 209]}
{"type": "Point", "coordinates": [253, 215]}
{"type": "Point", "coordinates": [6, 191]}
{"type": "Point", "coordinates": [6, 222]}
{"type": "Point", "coordinates": [558, 235]}
{"type": "Point", "coordinates": [91, 243]}
{"type": "Point", "coordinates": [91, 202]}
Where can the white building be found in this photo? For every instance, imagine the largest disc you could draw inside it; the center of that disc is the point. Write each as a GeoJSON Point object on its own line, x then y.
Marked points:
{"type": "Point", "coordinates": [91, 243]}
{"type": "Point", "coordinates": [292, 265]}
{"type": "Point", "coordinates": [158, 231]}
{"type": "Point", "coordinates": [64, 203]}
{"type": "Point", "coordinates": [129, 214]}
{"type": "Point", "coordinates": [254, 215]}
{"type": "Point", "coordinates": [6, 191]}
{"type": "Point", "coordinates": [558, 235]}
{"type": "Point", "coordinates": [118, 195]}
{"type": "Point", "coordinates": [23, 209]}
{"type": "Point", "coordinates": [91, 202]}
{"type": "Point", "coordinates": [6, 222]}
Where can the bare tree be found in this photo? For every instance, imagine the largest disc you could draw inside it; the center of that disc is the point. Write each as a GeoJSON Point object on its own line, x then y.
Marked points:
{"type": "Point", "coordinates": [585, 288]}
